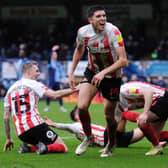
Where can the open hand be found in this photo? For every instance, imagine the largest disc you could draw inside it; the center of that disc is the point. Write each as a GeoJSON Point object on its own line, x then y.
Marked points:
{"type": "Point", "coordinates": [49, 122]}
{"type": "Point", "coordinates": [8, 145]}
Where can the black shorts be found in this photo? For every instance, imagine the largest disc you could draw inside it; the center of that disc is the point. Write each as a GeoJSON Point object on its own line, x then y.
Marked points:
{"type": "Point", "coordinates": [40, 133]}
{"type": "Point", "coordinates": [109, 87]}
{"type": "Point", "coordinates": [123, 138]}
{"type": "Point", "coordinates": [160, 107]}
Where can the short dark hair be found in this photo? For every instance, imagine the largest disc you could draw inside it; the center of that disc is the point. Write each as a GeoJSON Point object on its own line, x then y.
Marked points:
{"type": "Point", "coordinates": [91, 10]}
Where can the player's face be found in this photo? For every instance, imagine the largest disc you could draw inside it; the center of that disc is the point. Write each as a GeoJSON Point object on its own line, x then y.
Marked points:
{"type": "Point", "coordinates": [98, 21]}
{"type": "Point", "coordinates": [54, 55]}
{"type": "Point", "coordinates": [34, 72]}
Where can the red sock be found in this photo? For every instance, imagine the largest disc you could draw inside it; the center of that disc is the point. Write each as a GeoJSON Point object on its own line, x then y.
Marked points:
{"type": "Point", "coordinates": [130, 115]}
{"type": "Point", "coordinates": [33, 148]}
{"type": "Point", "coordinates": [164, 136]}
{"type": "Point", "coordinates": [150, 134]}
{"type": "Point", "coordinates": [86, 122]}
{"type": "Point", "coordinates": [56, 147]}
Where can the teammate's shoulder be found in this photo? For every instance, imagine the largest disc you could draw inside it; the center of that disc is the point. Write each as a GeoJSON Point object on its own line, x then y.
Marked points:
{"type": "Point", "coordinates": [84, 29]}
{"type": "Point", "coordinates": [29, 82]}
{"type": "Point", "coordinates": [128, 84]}
{"type": "Point", "coordinates": [12, 87]}
{"type": "Point", "coordinates": [110, 26]}
{"type": "Point", "coordinates": [134, 84]}
{"type": "Point", "coordinates": [116, 30]}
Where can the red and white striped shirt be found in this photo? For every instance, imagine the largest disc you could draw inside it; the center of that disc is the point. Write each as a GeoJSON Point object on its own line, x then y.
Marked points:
{"type": "Point", "coordinates": [131, 99]}
{"type": "Point", "coordinates": [97, 133]}
{"type": "Point", "coordinates": [22, 98]}
{"type": "Point", "coordinates": [101, 47]}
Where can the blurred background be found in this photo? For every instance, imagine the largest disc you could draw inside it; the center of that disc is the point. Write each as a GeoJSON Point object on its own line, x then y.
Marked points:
{"type": "Point", "coordinates": [36, 26]}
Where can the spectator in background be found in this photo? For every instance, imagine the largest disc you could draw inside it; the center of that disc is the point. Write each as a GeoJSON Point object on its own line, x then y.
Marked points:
{"type": "Point", "coordinates": [124, 79]}
{"type": "Point", "coordinates": [154, 80]}
{"type": "Point", "coordinates": [35, 54]}
{"type": "Point", "coordinates": [133, 77]}
{"type": "Point", "coordinates": [24, 57]}
{"type": "Point", "coordinates": [161, 82]}
{"type": "Point", "coordinates": [12, 51]}
{"type": "Point", "coordinates": [166, 81]}
{"type": "Point", "coordinates": [158, 80]}
{"type": "Point", "coordinates": [2, 90]}
{"type": "Point", "coordinates": [56, 77]}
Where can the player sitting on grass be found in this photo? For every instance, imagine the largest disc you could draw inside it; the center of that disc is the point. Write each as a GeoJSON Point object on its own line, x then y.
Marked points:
{"type": "Point", "coordinates": [21, 102]}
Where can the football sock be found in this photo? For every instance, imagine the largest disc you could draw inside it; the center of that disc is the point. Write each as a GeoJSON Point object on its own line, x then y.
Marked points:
{"type": "Point", "coordinates": [86, 122]}
{"type": "Point", "coordinates": [33, 148]}
{"type": "Point", "coordinates": [164, 136]}
{"type": "Point", "coordinates": [150, 134]}
{"type": "Point", "coordinates": [130, 115]}
{"type": "Point", "coordinates": [111, 131]}
{"type": "Point", "coordinates": [56, 147]}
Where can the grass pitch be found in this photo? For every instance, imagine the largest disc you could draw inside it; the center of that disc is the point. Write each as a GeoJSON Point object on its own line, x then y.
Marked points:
{"type": "Point", "coordinates": [122, 158]}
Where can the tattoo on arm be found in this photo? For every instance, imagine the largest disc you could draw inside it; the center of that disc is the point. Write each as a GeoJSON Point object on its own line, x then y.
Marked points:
{"type": "Point", "coordinates": [7, 128]}
{"type": "Point", "coordinates": [7, 114]}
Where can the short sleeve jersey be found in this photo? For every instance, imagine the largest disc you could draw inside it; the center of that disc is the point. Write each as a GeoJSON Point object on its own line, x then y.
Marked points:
{"type": "Point", "coordinates": [22, 98]}
{"type": "Point", "coordinates": [101, 47]}
{"type": "Point", "coordinates": [130, 97]}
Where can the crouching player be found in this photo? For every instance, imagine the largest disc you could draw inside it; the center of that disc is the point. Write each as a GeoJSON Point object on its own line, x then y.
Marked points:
{"type": "Point", "coordinates": [21, 102]}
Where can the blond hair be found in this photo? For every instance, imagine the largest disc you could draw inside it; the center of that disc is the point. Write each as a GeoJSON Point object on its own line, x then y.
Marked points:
{"type": "Point", "coordinates": [28, 65]}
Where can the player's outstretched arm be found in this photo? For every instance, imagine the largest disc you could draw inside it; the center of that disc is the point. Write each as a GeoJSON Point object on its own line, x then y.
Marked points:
{"type": "Point", "coordinates": [61, 93]}
{"type": "Point", "coordinates": [73, 128]}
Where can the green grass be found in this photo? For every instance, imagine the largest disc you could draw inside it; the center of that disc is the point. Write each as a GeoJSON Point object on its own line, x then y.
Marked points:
{"type": "Point", "coordinates": [122, 157]}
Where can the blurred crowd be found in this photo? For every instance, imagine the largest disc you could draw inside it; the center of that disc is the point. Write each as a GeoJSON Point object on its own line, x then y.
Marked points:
{"type": "Point", "coordinates": [39, 42]}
